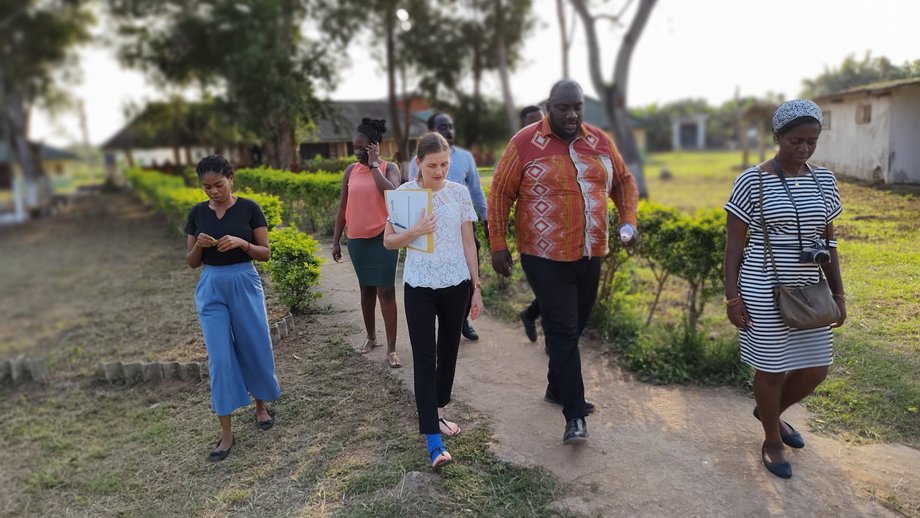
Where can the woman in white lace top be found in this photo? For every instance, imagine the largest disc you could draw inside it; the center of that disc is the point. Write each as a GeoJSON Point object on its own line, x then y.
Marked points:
{"type": "Point", "coordinates": [437, 287]}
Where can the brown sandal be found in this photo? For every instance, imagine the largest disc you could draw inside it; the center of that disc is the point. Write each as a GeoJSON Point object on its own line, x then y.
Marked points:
{"type": "Point", "coordinates": [393, 360]}
{"type": "Point", "coordinates": [368, 345]}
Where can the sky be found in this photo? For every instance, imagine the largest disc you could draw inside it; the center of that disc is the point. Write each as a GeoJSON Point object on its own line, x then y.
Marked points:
{"type": "Point", "coordinates": [690, 49]}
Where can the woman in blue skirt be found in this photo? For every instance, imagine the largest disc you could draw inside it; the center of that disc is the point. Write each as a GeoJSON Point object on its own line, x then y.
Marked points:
{"type": "Point", "coordinates": [225, 234]}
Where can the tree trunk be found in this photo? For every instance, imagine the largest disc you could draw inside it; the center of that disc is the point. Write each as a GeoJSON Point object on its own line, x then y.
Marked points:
{"type": "Point", "coordinates": [613, 96]}
{"type": "Point", "coordinates": [564, 37]}
{"type": "Point", "coordinates": [501, 54]}
{"type": "Point", "coordinates": [37, 185]}
{"type": "Point", "coordinates": [389, 23]}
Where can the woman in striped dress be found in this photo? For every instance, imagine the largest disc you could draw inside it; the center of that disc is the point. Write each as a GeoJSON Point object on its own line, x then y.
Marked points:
{"type": "Point", "coordinates": [789, 363]}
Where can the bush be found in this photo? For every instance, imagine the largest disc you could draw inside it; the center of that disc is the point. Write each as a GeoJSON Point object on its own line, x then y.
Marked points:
{"type": "Point", "coordinates": [319, 164]}
{"type": "Point", "coordinates": [294, 267]}
{"type": "Point", "coordinates": [310, 200]}
{"type": "Point", "coordinates": [169, 195]}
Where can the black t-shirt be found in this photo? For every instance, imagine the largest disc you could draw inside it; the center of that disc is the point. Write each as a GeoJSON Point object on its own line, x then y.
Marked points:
{"type": "Point", "coordinates": [239, 220]}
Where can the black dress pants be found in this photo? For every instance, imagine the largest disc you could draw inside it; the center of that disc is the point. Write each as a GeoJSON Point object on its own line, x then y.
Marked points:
{"type": "Point", "coordinates": [434, 358]}
{"type": "Point", "coordinates": [565, 292]}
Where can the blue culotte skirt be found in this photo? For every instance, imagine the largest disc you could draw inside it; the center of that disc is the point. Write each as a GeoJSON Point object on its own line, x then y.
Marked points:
{"type": "Point", "coordinates": [234, 320]}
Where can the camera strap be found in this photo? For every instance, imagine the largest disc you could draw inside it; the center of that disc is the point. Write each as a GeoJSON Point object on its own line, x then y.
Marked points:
{"type": "Point", "coordinates": [763, 219]}
{"type": "Point", "coordinates": [782, 178]}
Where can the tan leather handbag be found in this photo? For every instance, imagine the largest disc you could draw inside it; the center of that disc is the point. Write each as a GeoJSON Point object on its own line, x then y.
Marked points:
{"type": "Point", "coordinates": [805, 307]}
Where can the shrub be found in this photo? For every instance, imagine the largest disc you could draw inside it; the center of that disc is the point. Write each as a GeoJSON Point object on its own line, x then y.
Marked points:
{"type": "Point", "coordinates": [294, 267]}
{"type": "Point", "coordinates": [310, 200]}
{"type": "Point", "coordinates": [169, 195]}
{"type": "Point", "coordinates": [319, 164]}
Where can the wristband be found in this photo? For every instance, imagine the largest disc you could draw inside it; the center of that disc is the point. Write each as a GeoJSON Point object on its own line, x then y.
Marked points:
{"type": "Point", "coordinates": [734, 301]}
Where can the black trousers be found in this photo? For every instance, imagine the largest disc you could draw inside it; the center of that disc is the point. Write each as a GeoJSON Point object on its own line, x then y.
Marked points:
{"type": "Point", "coordinates": [565, 293]}
{"type": "Point", "coordinates": [533, 310]}
{"type": "Point", "coordinates": [434, 358]}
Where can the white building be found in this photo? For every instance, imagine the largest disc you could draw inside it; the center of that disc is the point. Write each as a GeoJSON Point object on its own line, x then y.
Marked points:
{"type": "Point", "coordinates": [872, 132]}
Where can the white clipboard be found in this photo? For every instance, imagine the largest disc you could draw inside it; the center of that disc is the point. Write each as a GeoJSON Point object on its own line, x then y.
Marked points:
{"type": "Point", "coordinates": [403, 209]}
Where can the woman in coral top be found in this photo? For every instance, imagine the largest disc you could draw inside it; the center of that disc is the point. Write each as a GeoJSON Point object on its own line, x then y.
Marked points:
{"type": "Point", "coordinates": [363, 214]}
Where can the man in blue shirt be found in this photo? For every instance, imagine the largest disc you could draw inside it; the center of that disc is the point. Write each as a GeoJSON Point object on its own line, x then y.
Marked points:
{"type": "Point", "coordinates": [463, 171]}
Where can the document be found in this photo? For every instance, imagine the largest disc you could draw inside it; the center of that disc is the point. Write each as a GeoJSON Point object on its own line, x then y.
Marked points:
{"type": "Point", "coordinates": [404, 207]}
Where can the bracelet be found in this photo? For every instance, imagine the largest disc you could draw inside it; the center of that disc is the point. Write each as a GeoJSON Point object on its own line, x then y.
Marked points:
{"type": "Point", "coordinates": [840, 296]}
{"type": "Point", "coordinates": [248, 246]}
{"type": "Point", "coordinates": [477, 286]}
{"type": "Point", "coordinates": [734, 301]}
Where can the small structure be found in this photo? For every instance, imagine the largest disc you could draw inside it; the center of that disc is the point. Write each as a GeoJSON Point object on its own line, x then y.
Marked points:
{"type": "Point", "coordinates": [757, 117]}
{"type": "Point", "coordinates": [334, 134]}
{"type": "Point", "coordinates": [55, 162]}
{"type": "Point", "coordinates": [689, 131]}
{"type": "Point", "coordinates": [871, 132]}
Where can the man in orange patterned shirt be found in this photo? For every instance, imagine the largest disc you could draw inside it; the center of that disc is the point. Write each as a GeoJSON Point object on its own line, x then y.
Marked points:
{"type": "Point", "coordinates": [558, 175]}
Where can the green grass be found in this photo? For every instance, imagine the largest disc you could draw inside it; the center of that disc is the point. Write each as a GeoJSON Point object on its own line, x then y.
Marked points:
{"type": "Point", "coordinates": [873, 391]}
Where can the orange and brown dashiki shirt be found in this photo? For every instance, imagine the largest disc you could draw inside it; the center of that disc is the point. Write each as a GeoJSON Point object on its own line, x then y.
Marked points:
{"type": "Point", "coordinates": [561, 192]}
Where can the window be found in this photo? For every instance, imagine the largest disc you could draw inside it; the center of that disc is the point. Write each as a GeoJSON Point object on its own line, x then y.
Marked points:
{"type": "Point", "coordinates": [826, 125]}
{"type": "Point", "coordinates": [863, 113]}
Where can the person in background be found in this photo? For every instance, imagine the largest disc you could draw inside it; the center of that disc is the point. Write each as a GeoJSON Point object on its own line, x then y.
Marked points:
{"type": "Point", "coordinates": [363, 212]}
{"type": "Point", "coordinates": [226, 233]}
{"type": "Point", "coordinates": [557, 175]}
{"type": "Point", "coordinates": [799, 204]}
{"type": "Point", "coordinates": [438, 286]}
{"type": "Point", "coordinates": [462, 171]}
{"type": "Point", "coordinates": [530, 115]}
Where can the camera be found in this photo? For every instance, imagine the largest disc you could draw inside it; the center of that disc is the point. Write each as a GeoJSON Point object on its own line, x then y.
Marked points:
{"type": "Point", "coordinates": [815, 253]}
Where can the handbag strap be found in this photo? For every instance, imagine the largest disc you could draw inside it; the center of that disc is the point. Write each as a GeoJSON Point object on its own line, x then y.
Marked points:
{"type": "Point", "coordinates": [763, 227]}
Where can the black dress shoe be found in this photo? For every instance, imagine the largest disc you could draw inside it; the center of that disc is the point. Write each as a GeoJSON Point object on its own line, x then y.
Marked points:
{"type": "Point", "coordinates": [266, 424]}
{"type": "Point", "coordinates": [530, 326]}
{"type": "Point", "coordinates": [793, 440]}
{"type": "Point", "coordinates": [780, 469]}
{"type": "Point", "coordinates": [576, 431]}
{"type": "Point", "coordinates": [468, 332]}
{"type": "Point", "coordinates": [549, 398]}
{"type": "Point", "coordinates": [219, 455]}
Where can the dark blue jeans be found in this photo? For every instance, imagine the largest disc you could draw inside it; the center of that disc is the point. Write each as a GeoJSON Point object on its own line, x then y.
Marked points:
{"type": "Point", "coordinates": [565, 292]}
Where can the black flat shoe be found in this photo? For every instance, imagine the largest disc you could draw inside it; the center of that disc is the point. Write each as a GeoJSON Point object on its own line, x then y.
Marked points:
{"type": "Point", "coordinates": [781, 470]}
{"type": "Point", "coordinates": [530, 326]}
{"type": "Point", "coordinates": [468, 332]}
{"type": "Point", "coordinates": [576, 431]}
{"type": "Point", "coordinates": [219, 455]}
{"type": "Point", "coordinates": [793, 440]}
{"type": "Point", "coordinates": [549, 398]}
{"type": "Point", "coordinates": [266, 424]}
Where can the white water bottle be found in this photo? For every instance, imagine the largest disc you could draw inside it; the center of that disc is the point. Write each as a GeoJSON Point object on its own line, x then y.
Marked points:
{"type": "Point", "coordinates": [627, 232]}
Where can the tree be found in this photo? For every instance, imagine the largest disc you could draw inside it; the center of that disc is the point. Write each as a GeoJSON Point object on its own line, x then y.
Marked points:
{"type": "Point", "coordinates": [37, 43]}
{"type": "Point", "coordinates": [853, 72]}
{"type": "Point", "coordinates": [566, 33]}
{"type": "Point", "coordinates": [252, 53]}
{"type": "Point", "coordinates": [614, 94]}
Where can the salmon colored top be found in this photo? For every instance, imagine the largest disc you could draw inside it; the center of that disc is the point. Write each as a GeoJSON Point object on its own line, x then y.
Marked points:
{"type": "Point", "coordinates": [366, 208]}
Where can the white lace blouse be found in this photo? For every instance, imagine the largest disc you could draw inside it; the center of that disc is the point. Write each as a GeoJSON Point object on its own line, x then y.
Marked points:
{"type": "Point", "coordinates": [446, 266]}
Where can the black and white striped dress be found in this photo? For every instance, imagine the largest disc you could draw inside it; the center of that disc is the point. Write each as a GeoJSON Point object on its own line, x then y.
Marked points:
{"type": "Point", "coordinates": [768, 344]}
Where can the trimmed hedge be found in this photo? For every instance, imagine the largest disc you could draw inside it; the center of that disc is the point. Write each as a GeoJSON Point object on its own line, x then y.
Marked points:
{"type": "Point", "coordinates": [310, 200]}
{"type": "Point", "coordinates": [294, 268]}
{"type": "Point", "coordinates": [169, 195]}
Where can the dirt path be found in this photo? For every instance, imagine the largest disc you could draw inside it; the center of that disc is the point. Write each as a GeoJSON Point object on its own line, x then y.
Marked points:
{"type": "Point", "coordinates": [653, 451]}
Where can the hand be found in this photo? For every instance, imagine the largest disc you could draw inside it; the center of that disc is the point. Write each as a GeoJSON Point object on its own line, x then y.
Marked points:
{"type": "Point", "coordinates": [336, 252]}
{"type": "Point", "coordinates": [485, 229]}
{"type": "Point", "coordinates": [424, 224]}
{"type": "Point", "coordinates": [842, 306]}
{"type": "Point", "coordinates": [373, 153]}
{"type": "Point", "coordinates": [205, 241]}
{"type": "Point", "coordinates": [227, 243]}
{"type": "Point", "coordinates": [502, 262]}
{"type": "Point", "coordinates": [476, 305]}
{"type": "Point", "coordinates": [738, 315]}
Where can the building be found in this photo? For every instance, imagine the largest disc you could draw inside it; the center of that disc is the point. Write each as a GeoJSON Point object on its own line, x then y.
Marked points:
{"type": "Point", "coordinates": [13, 207]}
{"type": "Point", "coordinates": [334, 134]}
{"type": "Point", "coordinates": [594, 114]}
{"type": "Point", "coordinates": [871, 132]}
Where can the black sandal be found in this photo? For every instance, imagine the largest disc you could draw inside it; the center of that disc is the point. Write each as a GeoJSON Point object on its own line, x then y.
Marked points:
{"type": "Point", "coordinates": [219, 455]}
{"type": "Point", "coordinates": [793, 440]}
